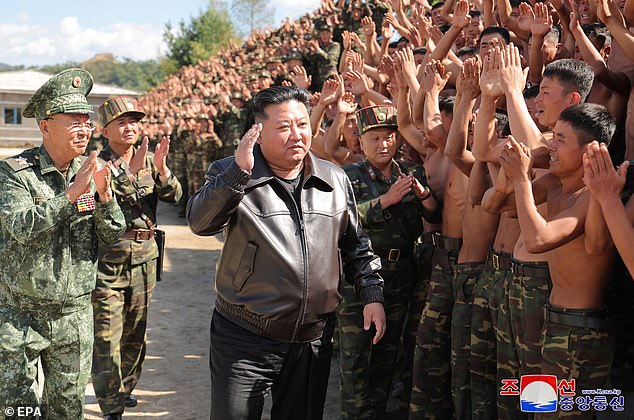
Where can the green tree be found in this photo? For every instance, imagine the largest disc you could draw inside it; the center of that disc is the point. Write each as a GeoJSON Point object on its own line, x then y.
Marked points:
{"type": "Point", "coordinates": [249, 15]}
{"type": "Point", "coordinates": [200, 39]}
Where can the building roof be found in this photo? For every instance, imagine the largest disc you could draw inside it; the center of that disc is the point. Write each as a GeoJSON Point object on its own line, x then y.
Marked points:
{"type": "Point", "coordinates": [28, 81]}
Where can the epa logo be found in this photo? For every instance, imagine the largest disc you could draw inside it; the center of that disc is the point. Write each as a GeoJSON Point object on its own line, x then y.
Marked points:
{"type": "Point", "coordinates": [538, 393]}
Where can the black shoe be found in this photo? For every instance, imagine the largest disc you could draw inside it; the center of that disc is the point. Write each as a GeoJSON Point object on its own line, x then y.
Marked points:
{"type": "Point", "coordinates": [130, 401]}
{"type": "Point", "coordinates": [116, 416]}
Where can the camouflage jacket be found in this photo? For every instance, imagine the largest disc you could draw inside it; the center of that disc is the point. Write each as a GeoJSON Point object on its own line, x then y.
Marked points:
{"type": "Point", "coordinates": [145, 189]}
{"type": "Point", "coordinates": [48, 247]}
{"type": "Point", "coordinates": [396, 226]}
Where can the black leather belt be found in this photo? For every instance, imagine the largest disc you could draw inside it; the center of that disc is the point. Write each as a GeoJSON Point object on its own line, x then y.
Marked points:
{"type": "Point", "coordinates": [499, 260]}
{"type": "Point", "coordinates": [450, 244]}
{"type": "Point", "coordinates": [139, 234]}
{"type": "Point", "coordinates": [427, 238]}
{"type": "Point", "coordinates": [393, 254]}
{"type": "Point", "coordinates": [532, 269]}
{"type": "Point", "coordinates": [579, 320]}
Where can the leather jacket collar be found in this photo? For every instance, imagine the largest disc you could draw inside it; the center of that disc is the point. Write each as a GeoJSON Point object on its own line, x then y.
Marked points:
{"type": "Point", "coordinates": [317, 171]}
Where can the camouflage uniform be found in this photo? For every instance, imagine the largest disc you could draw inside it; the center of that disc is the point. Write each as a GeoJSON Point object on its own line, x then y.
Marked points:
{"type": "Point", "coordinates": [48, 256]}
{"type": "Point", "coordinates": [126, 278]}
{"type": "Point", "coordinates": [179, 164]}
{"type": "Point", "coordinates": [489, 290]}
{"type": "Point", "coordinates": [366, 370]}
{"type": "Point", "coordinates": [571, 351]}
{"type": "Point", "coordinates": [205, 149]}
{"type": "Point", "coordinates": [463, 285]}
{"type": "Point", "coordinates": [431, 376]}
{"type": "Point", "coordinates": [323, 63]}
{"type": "Point", "coordinates": [125, 281]}
{"type": "Point", "coordinates": [519, 325]}
{"type": "Point", "coordinates": [231, 128]}
{"type": "Point", "coordinates": [424, 253]}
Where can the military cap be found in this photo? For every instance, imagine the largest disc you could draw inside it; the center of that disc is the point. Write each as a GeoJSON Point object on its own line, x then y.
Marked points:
{"type": "Point", "coordinates": [356, 4]}
{"type": "Point", "coordinates": [237, 95]}
{"type": "Point", "coordinates": [378, 116]}
{"type": "Point", "coordinates": [113, 108]}
{"type": "Point", "coordinates": [64, 93]}
{"type": "Point", "coordinates": [250, 78]}
{"type": "Point", "coordinates": [294, 55]}
{"type": "Point", "coordinates": [264, 74]}
{"type": "Point", "coordinates": [322, 25]}
{"type": "Point", "coordinates": [274, 60]}
{"type": "Point", "coordinates": [202, 117]}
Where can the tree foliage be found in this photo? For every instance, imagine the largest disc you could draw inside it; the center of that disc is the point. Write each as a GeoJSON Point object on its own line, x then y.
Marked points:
{"type": "Point", "coordinates": [201, 38]}
{"type": "Point", "coordinates": [249, 15]}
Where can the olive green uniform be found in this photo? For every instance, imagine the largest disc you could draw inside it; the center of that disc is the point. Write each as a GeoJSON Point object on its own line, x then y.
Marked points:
{"type": "Point", "coordinates": [367, 370]}
{"type": "Point", "coordinates": [125, 281]}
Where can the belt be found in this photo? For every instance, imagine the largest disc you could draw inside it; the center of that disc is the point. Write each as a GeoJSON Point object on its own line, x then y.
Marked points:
{"type": "Point", "coordinates": [139, 234]}
{"type": "Point", "coordinates": [532, 269]}
{"type": "Point", "coordinates": [450, 244]}
{"type": "Point", "coordinates": [393, 254]}
{"type": "Point", "coordinates": [499, 260]}
{"type": "Point", "coordinates": [579, 320]}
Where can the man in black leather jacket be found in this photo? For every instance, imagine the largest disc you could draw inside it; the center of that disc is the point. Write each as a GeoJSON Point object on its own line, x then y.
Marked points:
{"type": "Point", "coordinates": [291, 231]}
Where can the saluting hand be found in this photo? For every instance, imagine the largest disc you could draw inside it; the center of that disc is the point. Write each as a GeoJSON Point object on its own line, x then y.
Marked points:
{"type": "Point", "coordinates": [244, 151]}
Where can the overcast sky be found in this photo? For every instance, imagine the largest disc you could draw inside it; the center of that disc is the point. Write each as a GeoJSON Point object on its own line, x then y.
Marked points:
{"type": "Point", "coordinates": [38, 32]}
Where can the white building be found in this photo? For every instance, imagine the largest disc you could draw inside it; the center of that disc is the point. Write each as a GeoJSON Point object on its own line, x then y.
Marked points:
{"type": "Point", "coordinates": [16, 87]}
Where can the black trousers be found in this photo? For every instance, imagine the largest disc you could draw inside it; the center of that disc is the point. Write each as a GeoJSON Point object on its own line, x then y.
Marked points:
{"type": "Point", "coordinates": [245, 367]}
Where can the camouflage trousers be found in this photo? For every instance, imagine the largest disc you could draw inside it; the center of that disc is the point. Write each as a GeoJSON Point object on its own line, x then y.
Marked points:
{"type": "Point", "coordinates": [519, 329]}
{"type": "Point", "coordinates": [120, 301]}
{"type": "Point", "coordinates": [366, 371]}
{"type": "Point", "coordinates": [416, 305]}
{"type": "Point", "coordinates": [463, 286]}
{"type": "Point", "coordinates": [482, 361]}
{"type": "Point", "coordinates": [63, 343]}
{"type": "Point", "coordinates": [580, 353]}
{"type": "Point", "coordinates": [431, 375]}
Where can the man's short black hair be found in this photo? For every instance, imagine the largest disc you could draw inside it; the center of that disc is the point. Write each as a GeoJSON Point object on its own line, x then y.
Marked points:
{"type": "Point", "coordinates": [516, 3]}
{"type": "Point", "coordinates": [503, 32]}
{"type": "Point", "coordinates": [446, 103]}
{"type": "Point", "coordinates": [531, 92]}
{"type": "Point", "coordinates": [599, 31]}
{"type": "Point", "coordinates": [437, 5]}
{"type": "Point", "coordinates": [393, 44]}
{"type": "Point", "coordinates": [420, 50]}
{"type": "Point", "coordinates": [590, 122]}
{"type": "Point", "coordinates": [474, 13]}
{"type": "Point", "coordinates": [276, 95]}
{"type": "Point", "coordinates": [468, 50]}
{"type": "Point", "coordinates": [573, 75]}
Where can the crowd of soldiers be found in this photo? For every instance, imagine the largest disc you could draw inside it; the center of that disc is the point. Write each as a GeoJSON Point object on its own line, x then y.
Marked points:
{"type": "Point", "coordinates": [491, 289]}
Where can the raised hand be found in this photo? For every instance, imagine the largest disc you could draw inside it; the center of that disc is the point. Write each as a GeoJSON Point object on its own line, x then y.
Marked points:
{"type": "Point", "coordinates": [468, 83]}
{"type": "Point", "coordinates": [369, 27]}
{"type": "Point", "coordinates": [82, 178]}
{"type": "Point", "coordinates": [300, 77]}
{"type": "Point", "coordinates": [160, 155]}
{"type": "Point", "coordinates": [434, 77]}
{"type": "Point", "coordinates": [330, 91]}
{"type": "Point", "coordinates": [599, 174]}
{"type": "Point", "coordinates": [461, 18]}
{"type": "Point", "coordinates": [526, 17]}
{"type": "Point", "coordinates": [244, 151]}
{"type": "Point", "coordinates": [516, 160]}
{"type": "Point", "coordinates": [101, 176]}
{"type": "Point", "coordinates": [138, 160]}
{"type": "Point", "coordinates": [386, 30]}
{"type": "Point", "coordinates": [359, 83]}
{"type": "Point", "coordinates": [346, 104]}
{"type": "Point", "coordinates": [512, 76]}
{"type": "Point", "coordinates": [543, 22]}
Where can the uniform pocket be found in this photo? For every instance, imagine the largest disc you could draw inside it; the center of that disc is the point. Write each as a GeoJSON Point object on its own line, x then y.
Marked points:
{"type": "Point", "coordinates": [246, 265]}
